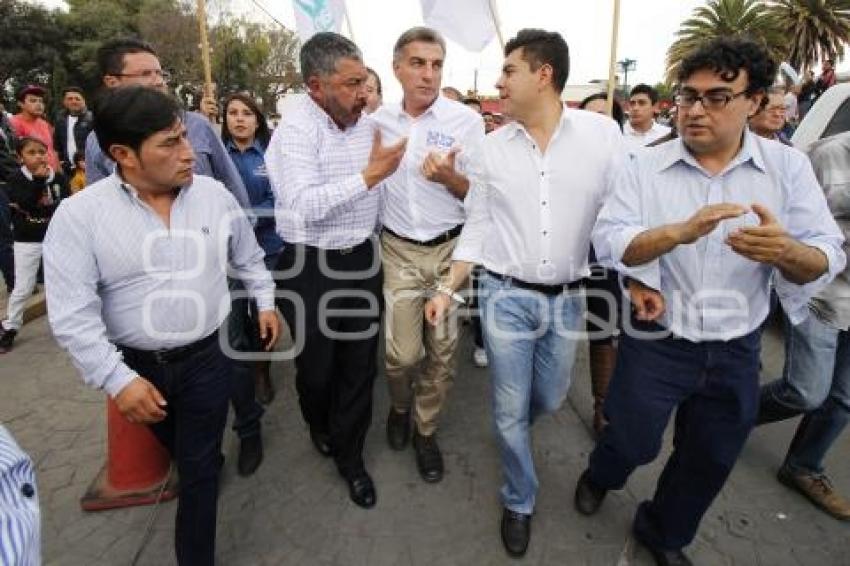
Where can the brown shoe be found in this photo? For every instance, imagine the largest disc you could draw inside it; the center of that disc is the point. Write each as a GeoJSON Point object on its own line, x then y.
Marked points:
{"type": "Point", "coordinates": [818, 489]}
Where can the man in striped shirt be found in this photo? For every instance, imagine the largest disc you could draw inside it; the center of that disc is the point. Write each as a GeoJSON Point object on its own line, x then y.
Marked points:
{"type": "Point", "coordinates": [326, 163]}
{"type": "Point", "coordinates": [20, 523]}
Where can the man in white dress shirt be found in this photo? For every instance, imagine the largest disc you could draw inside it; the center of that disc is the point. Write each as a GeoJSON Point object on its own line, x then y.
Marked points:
{"type": "Point", "coordinates": [543, 181]}
{"type": "Point", "coordinates": [423, 214]}
{"type": "Point", "coordinates": [641, 129]}
{"type": "Point", "coordinates": [136, 273]}
{"type": "Point", "coordinates": [326, 162]}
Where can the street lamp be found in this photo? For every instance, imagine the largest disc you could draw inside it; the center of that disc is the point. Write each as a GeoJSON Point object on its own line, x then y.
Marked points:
{"type": "Point", "coordinates": [627, 65]}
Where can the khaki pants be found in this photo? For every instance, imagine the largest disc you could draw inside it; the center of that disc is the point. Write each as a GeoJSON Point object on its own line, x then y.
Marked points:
{"type": "Point", "coordinates": [410, 274]}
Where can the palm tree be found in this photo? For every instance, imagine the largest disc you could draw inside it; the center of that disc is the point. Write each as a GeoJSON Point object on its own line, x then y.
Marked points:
{"type": "Point", "coordinates": [748, 18]}
{"type": "Point", "coordinates": [817, 29]}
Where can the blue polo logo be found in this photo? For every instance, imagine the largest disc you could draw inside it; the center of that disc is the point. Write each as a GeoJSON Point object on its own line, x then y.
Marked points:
{"type": "Point", "coordinates": [439, 139]}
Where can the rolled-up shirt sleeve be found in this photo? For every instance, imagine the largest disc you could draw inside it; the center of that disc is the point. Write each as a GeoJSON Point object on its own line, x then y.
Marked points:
{"type": "Point", "coordinates": [810, 222]}
{"type": "Point", "coordinates": [293, 160]}
{"type": "Point", "coordinates": [619, 222]}
{"type": "Point", "coordinates": [470, 243]}
{"type": "Point", "coordinates": [73, 305]}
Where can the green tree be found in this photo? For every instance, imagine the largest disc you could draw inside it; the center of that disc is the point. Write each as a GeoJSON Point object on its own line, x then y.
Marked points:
{"type": "Point", "coordinates": [749, 18]}
{"type": "Point", "coordinates": [31, 43]}
{"type": "Point", "coordinates": [814, 29]}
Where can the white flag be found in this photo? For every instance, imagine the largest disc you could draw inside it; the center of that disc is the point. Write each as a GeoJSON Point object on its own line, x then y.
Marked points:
{"type": "Point", "coordinates": [467, 22]}
{"type": "Point", "coordinates": [313, 16]}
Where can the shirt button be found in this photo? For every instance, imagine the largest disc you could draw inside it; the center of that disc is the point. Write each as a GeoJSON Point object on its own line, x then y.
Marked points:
{"type": "Point", "coordinates": [545, 232]}
{"type": "Point", "coordinates": [543, 203]}
{"type": "Point", "coordinates": [27, 490]}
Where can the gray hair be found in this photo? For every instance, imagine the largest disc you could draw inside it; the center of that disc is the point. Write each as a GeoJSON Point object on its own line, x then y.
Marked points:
{"type": "Point", "coordinates": [423, 34]}
{"type": "Point", "coordinates": [319, 55]}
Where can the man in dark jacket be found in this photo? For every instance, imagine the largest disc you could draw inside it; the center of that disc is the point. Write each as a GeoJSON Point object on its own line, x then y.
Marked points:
{"type": "Point", "coordinates": [71, 127]}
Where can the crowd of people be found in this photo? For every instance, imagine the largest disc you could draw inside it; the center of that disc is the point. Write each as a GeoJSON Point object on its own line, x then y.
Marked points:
{"type": "Point", "coordinates": [169, 249]}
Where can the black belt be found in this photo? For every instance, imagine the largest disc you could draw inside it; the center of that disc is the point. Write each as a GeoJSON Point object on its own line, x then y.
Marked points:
{"type": "Point", "coordinates": [170, 355]}
{"type": "Point", "coordinates": [446, 236]}
{"type": "Point", "coordinates": [539, 287]}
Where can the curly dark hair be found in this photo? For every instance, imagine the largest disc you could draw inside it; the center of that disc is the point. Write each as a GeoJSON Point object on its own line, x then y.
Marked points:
{"type": "Point", "coordinates": [727, 56]}
{"type": "Point", "coordinates": [541, 47]}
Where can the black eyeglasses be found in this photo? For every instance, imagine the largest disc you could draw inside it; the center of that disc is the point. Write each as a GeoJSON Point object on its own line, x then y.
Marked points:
{"type": "Point", "coordinates": [711, 101]}
{"type": "Point", "coordinates": [149, 74]}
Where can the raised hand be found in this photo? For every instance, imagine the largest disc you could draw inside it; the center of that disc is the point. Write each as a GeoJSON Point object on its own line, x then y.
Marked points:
{"type": "Point", "coordinates": [706, 219]}
{"type": "Point", "coordinates": [766, 243]}
{"type": "Point", "coordinates": [383, 161]}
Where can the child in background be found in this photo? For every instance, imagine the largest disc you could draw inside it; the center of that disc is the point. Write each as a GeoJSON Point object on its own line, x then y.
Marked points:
{"type": "Point", "coordinates": [78, 179]}
{"type": "Point", "coordinates": [34, 193]}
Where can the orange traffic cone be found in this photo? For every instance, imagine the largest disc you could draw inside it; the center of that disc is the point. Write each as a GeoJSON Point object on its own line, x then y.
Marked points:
{"type": "Point", "coordinates": [136, 467]}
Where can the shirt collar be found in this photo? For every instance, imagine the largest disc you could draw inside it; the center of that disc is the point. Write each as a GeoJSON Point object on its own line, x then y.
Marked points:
{"type": "Point", "coordinates": [437, 109]}
{"type": "Point", "coordinates": [750, 151]}
{"type": "Point", "coordinates": [255, 145]}
{"type": "Point", "coordinates": [515, 128]}
{"type": "Point", "coordinates": [28, 175]}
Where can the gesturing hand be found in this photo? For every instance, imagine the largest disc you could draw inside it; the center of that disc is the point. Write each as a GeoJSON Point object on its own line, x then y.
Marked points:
{"type": "Point", "coordinates": [383, 161]}
{"type": "Point", "coordinates": [440, 168]}
{"type": "Point", "coordinates": [706, 219]}
{"type": "Point", "coordinates": [140, 402]}
{"type": "Point", "coordinates": [766, 243]}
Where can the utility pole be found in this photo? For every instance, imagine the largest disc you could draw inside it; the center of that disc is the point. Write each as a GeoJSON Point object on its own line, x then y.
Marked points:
{"type": "Point", "coordinates": [627, 65]}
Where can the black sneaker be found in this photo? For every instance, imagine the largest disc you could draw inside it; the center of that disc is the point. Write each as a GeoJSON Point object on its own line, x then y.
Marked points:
{"type": "Point", "coordinates": [6, 340]}
{"type": "Point", "coordinates": [250, 455]}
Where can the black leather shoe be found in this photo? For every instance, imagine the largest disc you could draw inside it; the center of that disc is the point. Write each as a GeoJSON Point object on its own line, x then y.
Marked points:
{"type": "Point", "coordinates": [588, 496]}
{"type": "Point", "coordinates": [398, 429]}
{"type": "Point", "coordinates": [361, 489]}
{"type": "Point", "coordinates": [429, 460]}
{"type": "Point", "coordinates": [321, 441]}
{"type": "Point", "coordinates": [250, 455]}
{"type": "Point", "coordinates": [665, 557]}
{"type": "Point", "coordinates": [516, 532]}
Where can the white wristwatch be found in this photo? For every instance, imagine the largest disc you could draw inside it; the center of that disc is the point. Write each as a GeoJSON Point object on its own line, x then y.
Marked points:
{"type": "Point", "coordinates": [446, 290]}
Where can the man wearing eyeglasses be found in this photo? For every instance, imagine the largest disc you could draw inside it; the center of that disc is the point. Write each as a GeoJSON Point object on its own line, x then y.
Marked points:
{"type": "Point", "coordinates": [700, 227]}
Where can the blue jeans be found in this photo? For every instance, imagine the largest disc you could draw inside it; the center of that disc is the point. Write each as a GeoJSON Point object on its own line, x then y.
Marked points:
{"type": "Point", "coordinates": [714, 388]}
{"type": "Point", "coordinates": [530, 340]}
{"type": "Point", "coordinates": [816, 381]}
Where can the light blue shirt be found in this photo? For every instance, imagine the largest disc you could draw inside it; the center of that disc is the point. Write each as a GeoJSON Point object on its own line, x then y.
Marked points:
{"type": "Point", "coordinates": [20, 522]}
{"type": "Point", "coordinates": [211, 159]}
{"type": "Point", "coordinates": [115, 274]}
{"type": "Point", "coordinates": [711, 292]}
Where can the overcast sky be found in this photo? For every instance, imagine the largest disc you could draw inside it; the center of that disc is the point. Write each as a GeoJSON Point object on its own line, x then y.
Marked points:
{"type": "Point", "coordinates": [647, 28]}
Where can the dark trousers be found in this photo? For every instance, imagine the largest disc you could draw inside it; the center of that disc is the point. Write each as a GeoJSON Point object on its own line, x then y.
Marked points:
{"type": "Point", "coordinates": [335, 320]}
{"type": "Point", "coordinates": [243, 334]}
{"type": "Point", "coordinates": [197, 389]}
{"type": "Point", "coordinates": [714, 387]}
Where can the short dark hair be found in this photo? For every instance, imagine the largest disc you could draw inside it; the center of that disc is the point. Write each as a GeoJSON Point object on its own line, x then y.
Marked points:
{"type": "Point", "coordinates": [76, 89]}
{"type": "Point", "coordinates": [616, 111]}
{"type": "Point", "coordinates": [79, 155]}
{"type": "Point", "coordinates": [320, 54]}
{"type": "Point", "coordinates": [110, 55]}
{"type": "Point", "coordinates": [647, 90]}
{"type": "Point", "coordinates": [541, 47]}
{"type": "Point", "coordinates": [419, 33]}
{"type": "Point", "coordinates": [374, 73]}
{"type": "Point", "coordinates": [27, 140]}
{"type": "Point", "coordinates": [262, 134]}
{"type": "Point", "coordinates": [726, 56]}
{"type": "Point", "coordinates": [130, 115]}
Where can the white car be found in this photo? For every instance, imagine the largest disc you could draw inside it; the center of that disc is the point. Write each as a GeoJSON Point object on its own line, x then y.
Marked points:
{"type": "Point", "coordinates": [830, 115]}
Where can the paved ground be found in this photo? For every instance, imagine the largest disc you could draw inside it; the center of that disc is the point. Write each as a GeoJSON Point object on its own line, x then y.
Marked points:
{"type": "Point", "coordinates": [295, 510]}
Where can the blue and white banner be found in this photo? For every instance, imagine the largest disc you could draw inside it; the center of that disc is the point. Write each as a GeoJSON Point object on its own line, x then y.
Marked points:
{"type": "Point", "coordinates": [313, 16]}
